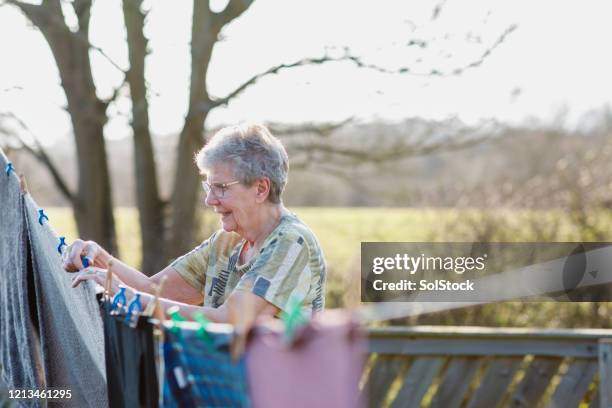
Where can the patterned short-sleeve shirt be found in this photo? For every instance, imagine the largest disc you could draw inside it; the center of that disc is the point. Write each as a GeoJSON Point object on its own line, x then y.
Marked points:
{"type": "Point", "coordinates": [290, 265]}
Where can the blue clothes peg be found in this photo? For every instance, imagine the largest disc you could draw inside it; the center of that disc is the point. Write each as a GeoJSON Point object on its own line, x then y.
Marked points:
{"type": "Point", "coordinates": [134, 304]}
{"type": "Point", "coordinates": [42, 216]}
{"type": "Point", "coordinates": [9, 167]}
{"type": "Point", "coordinates": [85, 261]}
{"type": "Point", "coordinates": [119, 297]}
{"type": "Point", "coordinates": [62, 244]}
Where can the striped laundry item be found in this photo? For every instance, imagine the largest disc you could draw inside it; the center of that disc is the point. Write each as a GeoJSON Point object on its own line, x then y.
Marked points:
{"type": "Point", "coordinates": [200, 374]}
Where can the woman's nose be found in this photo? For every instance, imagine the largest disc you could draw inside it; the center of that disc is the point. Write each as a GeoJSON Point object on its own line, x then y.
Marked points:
{"type": "Point", "coordinates": [211, 200]}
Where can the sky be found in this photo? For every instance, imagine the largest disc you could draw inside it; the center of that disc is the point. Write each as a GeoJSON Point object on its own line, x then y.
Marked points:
{"type": "Point", "coordinates": [556, 61]}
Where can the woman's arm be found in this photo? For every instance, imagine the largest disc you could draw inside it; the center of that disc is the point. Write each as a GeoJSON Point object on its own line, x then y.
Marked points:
{"type": "Point", "coordinates": [241, 307]}
{"type": "Point", "coordinates": [100, 258]}
{"type": "Point", "coordinates": [175, 288]}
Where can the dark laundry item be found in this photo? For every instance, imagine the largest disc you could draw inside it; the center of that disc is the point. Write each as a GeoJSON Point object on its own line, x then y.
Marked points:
{"type": "Point", "coordinates": [201, 373]}
{"type": "Point", "coordinates": [130, 361]}
{"type": "Point", "coordinates": [321, 368]}
{"type": "Point", "coordinates": [50, 334]}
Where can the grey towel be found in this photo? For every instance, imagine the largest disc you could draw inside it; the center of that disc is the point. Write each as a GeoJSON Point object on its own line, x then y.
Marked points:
{"type": "Point", "coordinates": [18, 340]}
{"type": "Point", "coordinates": [67, 320]}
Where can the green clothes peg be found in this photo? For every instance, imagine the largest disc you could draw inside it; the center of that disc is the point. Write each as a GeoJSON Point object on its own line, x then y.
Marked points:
{"type": "Point", "coordinates": [175, 317]}
{"type": "Point", "coordinates": [203, 330]}
{"type": "Point", "coordinates": [293, 318]}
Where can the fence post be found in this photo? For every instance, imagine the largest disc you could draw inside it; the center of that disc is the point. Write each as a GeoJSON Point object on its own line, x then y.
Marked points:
{"type": "Point", "coordinates": [605, 373]}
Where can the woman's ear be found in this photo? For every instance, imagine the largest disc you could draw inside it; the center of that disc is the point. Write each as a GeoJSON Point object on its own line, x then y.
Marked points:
{"type": "Point", "coordinates": [263, 189]}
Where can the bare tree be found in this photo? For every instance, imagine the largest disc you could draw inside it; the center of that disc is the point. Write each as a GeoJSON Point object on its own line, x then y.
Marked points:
{"type": "Point", "coordinates": [167, 226]}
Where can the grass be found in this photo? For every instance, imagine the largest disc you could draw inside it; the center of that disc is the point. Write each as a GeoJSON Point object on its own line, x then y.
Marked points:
{"type": "Point", "coordinates": [341, 231]}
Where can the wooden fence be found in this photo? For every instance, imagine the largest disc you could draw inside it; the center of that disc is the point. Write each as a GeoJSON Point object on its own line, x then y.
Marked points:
{"type": "Point", "coordinates": [447, 367]}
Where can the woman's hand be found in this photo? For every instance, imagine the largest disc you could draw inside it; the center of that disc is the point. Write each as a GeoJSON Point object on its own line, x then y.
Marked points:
{"type": "Point", "coordinates": [97, 256]}
{"type": "Point", "coordinates": [97, 275]}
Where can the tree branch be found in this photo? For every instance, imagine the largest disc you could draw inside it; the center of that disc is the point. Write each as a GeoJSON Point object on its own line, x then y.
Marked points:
{"type": "Point", "coordinates": [435, 72]}
{"type": "Point", "coordinates": [489, 50]}
{"type": "Point", "coordinates": [33, 11]}
{"type": "Point", "coordinates": [351, 156]}
{"type": "Point", "coordinates": [274, 70]}
{"type": "Point", "coordinates": [116, 92]}
{"type": "Point", "coordinates": [322, 130]}
{"type": "Point", "coordinates": [50, 12]}
{"type": "Point", "coordinates": [359, 63]}
{"type": "Point", "coordinates": [233, 10]}
{"type": "Point", "coordinates": [437, 9]}
{"type": "Point", "coordinates": [82, 9]}
{"type": "Point", "coordinates": [106, 57]}
{"type": "Point", "coordinates": [40, 154]}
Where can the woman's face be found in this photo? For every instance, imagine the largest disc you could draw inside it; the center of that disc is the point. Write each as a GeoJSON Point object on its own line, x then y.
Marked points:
{"type": "Point", "coordinates": [237, 203]}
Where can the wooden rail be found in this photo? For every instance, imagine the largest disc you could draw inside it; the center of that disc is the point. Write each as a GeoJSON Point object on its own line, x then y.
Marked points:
{"type": "Point", "coordinates": [447, 366]}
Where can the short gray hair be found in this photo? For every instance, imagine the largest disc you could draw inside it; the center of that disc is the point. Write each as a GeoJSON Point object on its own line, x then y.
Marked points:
{"type": "Point", "coordinates": [253, 152]}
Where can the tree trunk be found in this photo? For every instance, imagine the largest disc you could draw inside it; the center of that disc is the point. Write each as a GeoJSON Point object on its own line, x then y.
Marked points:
{"type": "Point", "coordinates": [93, 203]}
{"type": "Point", "coordinates": [150, 206]}
{"type": "Point", "coordinates": [184, 197]}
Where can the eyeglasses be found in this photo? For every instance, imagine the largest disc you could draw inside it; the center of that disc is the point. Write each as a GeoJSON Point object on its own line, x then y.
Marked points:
{"type": "Point", "coordinates": [218, 189]}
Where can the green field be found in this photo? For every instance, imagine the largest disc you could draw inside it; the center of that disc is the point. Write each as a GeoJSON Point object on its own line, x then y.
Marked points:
{"type": "Point", "coordinates": [341, 231]}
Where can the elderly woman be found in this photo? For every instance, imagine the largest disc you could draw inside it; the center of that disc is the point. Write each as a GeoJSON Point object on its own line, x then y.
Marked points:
{"type": "Point", "coordinates": [263, 256]}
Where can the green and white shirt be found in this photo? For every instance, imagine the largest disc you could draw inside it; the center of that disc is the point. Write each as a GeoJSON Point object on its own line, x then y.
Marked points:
{"type": "Point", "coordinates": [289, 265]}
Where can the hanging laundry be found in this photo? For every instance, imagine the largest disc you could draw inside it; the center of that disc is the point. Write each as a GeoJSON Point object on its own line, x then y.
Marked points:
{"type": "Point", "coordinates": [66, 344]}
{"type": "Point", "coordinates": [20, 365]}
{"type": "Point", "coordinates": [130, 361]}
{"type": "Point", "coordinates": [320, 368]}
{"type": "Point", "coordinates": [71, 334]}
{"type": "Point", "coordinates": [200, 372]}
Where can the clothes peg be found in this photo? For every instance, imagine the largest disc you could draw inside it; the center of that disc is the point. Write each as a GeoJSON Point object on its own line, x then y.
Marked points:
{"type": "Point", "coordinates": [154, 303]}
{"type": "Point", "coordinates": [175, 317]}
{"type": "Point", "coordinates": [203, 329]}
{"type": "Point", "coordinates": [42, 216]}
{"type": "Point", "coordinates": [85, 261]}
{"type": "Point", "coordinates": [22, 184]}
{"type": "Point", "coordinates": [292, 319]}
{"type": "Point", "coordinates": [134, 304]}
{"type": "Point", "coordinates": [62, 244]}
{"type": "Point", "coordinates": [119, 297]}
{"type": "Point", "coordinates": [9, 168]}
{"type": "Point", "coordinates": [109, 280]}
{"type": "Point", "coordinates": [238, 344]}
